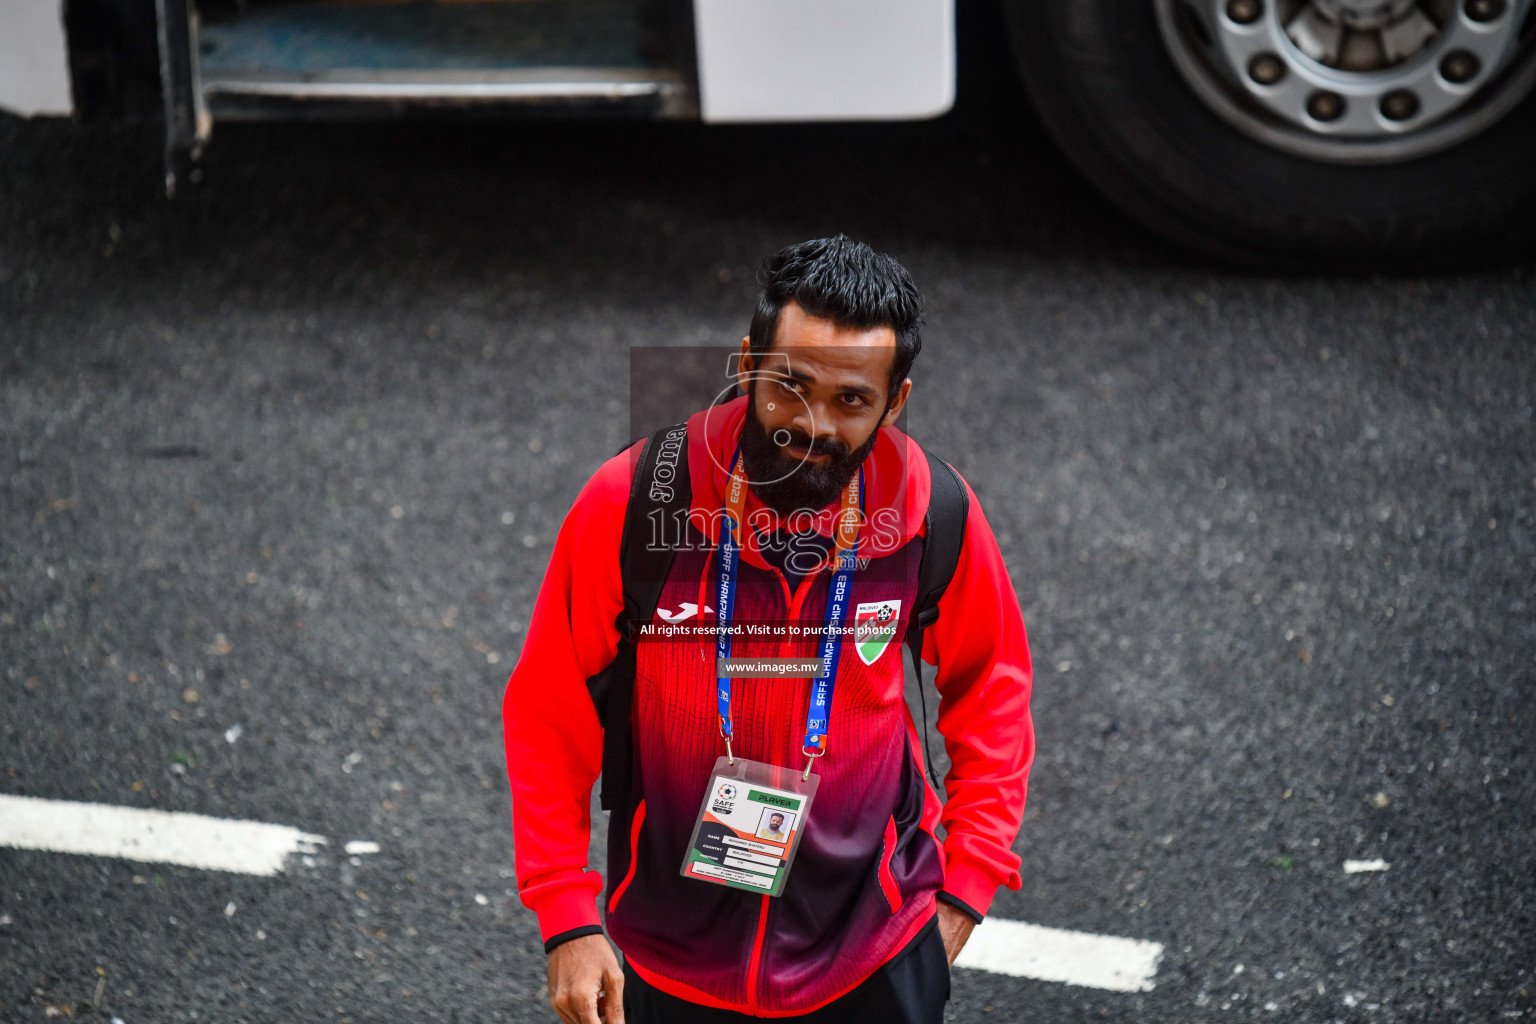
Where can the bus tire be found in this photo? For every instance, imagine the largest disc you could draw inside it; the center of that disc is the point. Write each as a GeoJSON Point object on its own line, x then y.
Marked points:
{"type": "Point", "coordinates": [1106, 85]}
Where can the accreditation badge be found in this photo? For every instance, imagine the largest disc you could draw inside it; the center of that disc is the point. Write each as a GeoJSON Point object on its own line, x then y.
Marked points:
{"type": "Point", "coordinates": [749, 825]}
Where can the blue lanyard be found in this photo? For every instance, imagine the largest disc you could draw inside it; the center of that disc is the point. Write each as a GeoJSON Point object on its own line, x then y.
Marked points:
{"type": "Point", "coordinates": [729, 560]}
{"type": "Point", "coordinates": [819, 713]}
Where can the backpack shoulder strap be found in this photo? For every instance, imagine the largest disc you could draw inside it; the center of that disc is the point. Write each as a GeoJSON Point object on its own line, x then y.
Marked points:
{"type": "Point", "coordinates": [655, 518]}
{"type": "Point", "coordinates": [659, 499]}
{"type": "Point", "coordinates": [949, 507]}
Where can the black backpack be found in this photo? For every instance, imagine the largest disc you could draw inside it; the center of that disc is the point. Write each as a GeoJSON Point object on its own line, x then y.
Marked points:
{"type": "Point", "coordinates": [662, 493]}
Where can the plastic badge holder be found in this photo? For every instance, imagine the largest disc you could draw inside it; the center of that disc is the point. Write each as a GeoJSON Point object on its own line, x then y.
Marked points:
{"type": "Point", "coordinates": [734, 840]}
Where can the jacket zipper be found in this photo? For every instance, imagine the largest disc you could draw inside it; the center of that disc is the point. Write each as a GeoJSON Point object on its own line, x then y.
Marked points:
{"type": "Point", "coordinates": [756, 961]}
{"type": "Point", "coordinates": [794, 601]}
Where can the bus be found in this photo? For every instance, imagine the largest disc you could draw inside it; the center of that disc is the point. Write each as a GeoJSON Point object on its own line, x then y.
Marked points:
{"type": "Point", "coordinates": [1323, 133]}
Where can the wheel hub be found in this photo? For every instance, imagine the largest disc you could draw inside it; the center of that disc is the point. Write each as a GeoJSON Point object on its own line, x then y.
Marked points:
{"type": "Point", "coordinates": [1363, 14]}
{"type": "Point", "coordinates": [1353, 80]}
{"type": "Point", "coordinates": [1359, 35]}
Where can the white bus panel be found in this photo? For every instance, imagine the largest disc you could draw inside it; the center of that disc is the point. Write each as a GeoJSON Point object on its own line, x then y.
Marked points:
{"type": "Point", "coordinates": [824, 60]}
{"type": "Point", "coordinates": [34, 58]}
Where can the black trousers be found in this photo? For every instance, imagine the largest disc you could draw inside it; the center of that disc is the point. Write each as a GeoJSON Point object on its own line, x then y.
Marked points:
{"type": "Point", "coordinates": [910, 988]}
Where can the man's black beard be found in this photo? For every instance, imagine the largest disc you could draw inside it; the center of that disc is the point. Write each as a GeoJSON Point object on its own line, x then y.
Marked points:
{"type": "Point", "coordinates": [790, 485]}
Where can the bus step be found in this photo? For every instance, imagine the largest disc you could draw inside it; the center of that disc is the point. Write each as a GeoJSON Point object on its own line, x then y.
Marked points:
{"type": "Point", "coordinates": [359, 57]}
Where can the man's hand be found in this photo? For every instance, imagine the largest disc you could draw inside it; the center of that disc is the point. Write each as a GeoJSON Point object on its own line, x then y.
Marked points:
{"type": "Point", "coordinates": [955, 926]}
{"type": "Point", "coordinates": [585, 983]}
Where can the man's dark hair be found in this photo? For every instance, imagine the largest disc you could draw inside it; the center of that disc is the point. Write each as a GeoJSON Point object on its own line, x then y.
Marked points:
{"type": "Point", "coordinates": [848, 283]}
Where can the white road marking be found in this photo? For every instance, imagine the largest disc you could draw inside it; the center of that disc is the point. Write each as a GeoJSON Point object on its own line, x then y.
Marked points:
{"type": "Point", "coordinates": [156, 837]}
{"type": "Point", "coordinates": [1013, 948]}
{"type": "Point", "coordinates": [1355, 867]}
{"type": "Point", "coordinates": [1056, 954]}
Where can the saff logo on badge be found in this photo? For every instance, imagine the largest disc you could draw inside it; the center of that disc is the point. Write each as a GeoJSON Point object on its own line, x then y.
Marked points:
{"type": "Point", "coordinates": [874, 627]}
{"type": "Point", "coordinates": [725, 798]}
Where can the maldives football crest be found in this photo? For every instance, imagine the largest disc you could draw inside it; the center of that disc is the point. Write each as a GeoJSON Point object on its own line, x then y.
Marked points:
{"type": "Point", "coordinates": [874, 626]}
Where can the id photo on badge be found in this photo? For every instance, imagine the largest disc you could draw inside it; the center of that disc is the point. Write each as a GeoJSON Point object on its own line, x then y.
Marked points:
{"type": "Point", "coordinates": [775, 826]}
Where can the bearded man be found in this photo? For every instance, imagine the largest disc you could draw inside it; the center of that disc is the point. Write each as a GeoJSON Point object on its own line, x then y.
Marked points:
{"type": "Point", "coordinates": [808, 514]}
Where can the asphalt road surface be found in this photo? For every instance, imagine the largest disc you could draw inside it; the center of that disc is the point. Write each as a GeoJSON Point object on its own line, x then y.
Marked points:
{"type": "Point", "coordinates": [289, 454]}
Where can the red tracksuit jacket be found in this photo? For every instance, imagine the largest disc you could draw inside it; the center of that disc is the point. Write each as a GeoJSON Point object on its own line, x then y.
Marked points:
{"type": "Point", "coordinates": [869, 864]}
